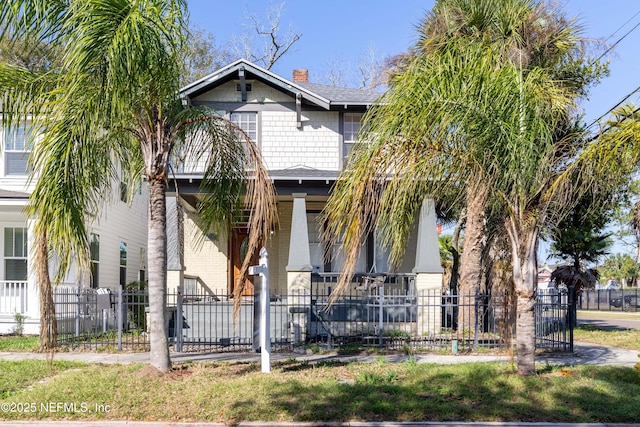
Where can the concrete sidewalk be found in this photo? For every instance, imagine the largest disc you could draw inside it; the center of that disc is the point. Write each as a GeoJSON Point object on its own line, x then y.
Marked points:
{"type": "Point", "coordinates": [584, 354]}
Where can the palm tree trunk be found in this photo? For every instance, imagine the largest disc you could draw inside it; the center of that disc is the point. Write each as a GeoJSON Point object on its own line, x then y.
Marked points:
{"type": "Point", "coordinates": [48, 323]}
{"type": "Point", "coordinates": [471, 259]}
{"type": "Point", "coordinates": [525, 276]}
{"type": "Point", "coordinates": [157, 250]}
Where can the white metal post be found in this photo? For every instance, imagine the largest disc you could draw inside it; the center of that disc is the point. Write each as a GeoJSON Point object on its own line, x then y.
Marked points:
{"type": "Point", "coordinates": [265, 328]}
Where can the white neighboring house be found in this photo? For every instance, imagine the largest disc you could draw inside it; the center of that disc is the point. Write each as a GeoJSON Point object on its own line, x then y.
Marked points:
{"type": "Point", "coordinates": [118, 239]}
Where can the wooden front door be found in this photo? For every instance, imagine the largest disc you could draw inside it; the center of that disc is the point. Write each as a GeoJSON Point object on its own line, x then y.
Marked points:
{"type": "Point", "coordinates": [239, 246]}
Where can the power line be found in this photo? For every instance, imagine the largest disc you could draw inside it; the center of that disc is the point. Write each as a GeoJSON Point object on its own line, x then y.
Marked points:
{"type": "Point", "coordinates": [609, 50]}
{"type": "Point", "coordinates": [617, 41]}
{"type": "Point", "coordinates": [621, 26]}
{"type": "Point", "coordinates": [614, 107]}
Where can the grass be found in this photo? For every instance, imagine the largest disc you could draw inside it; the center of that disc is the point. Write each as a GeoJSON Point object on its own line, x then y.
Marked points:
{"type": "Point", "coordinates": [19, 343]}
{"type": "Point", "coordinates": [594, 314]}
{"type": "Point", "coordinates": [629, 339]}
{"type": "Point", "coordinates": [18, 376]}
{"type": "Point", "coordinates": [316, 391]}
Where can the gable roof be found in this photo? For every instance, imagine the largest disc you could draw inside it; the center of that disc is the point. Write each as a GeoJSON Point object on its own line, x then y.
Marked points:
{"type": "Point", "coordinates": [321, 95]}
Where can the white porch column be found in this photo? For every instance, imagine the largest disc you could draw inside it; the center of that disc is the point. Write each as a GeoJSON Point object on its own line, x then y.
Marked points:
{"type": "Point", "coordinates": [32, 313]}
{"type": "Point", "coordinates": [299, 270]}
{"type": "Point", "coordinates": [428, 272]}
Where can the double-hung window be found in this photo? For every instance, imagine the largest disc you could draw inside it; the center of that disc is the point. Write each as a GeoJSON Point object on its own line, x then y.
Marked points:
{"type": "Point", "coordinates": [351, 129]}
{"type": "Point", "coordinates": [248, 122]}
{"type": "Point", "coordinates": [15, 253]}
{"type": "Point", "coordinates": [16, 150]}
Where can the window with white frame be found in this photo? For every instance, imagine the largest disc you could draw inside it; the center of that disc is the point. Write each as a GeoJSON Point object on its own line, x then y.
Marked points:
{"type": "Point", "coordinates": [142, 274]}
{"type": "Point", "coordinates": [16, 150]}
{"type": "Point", "coordinates": [94, 249]}
{"type": "Point", "coordinates": [248, 122]}
{"type": "Point", "coordinates": [350, 132]}
{"type": "Point", "coordinates": [123, 263]}
{"type": "Point", "coordinates": [15, 253]}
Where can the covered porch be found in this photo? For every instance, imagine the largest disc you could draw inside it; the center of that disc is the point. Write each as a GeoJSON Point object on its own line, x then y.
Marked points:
{"type": "Point", "coordinates": [298, 267]}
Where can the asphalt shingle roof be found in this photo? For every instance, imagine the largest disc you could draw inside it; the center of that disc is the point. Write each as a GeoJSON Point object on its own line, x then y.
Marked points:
{"type": "Point", "coordinates": [341, 94]}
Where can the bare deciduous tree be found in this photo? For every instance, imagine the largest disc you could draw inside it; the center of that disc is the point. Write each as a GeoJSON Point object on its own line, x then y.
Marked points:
{"type": "Point", "coordinates": [266, 46]}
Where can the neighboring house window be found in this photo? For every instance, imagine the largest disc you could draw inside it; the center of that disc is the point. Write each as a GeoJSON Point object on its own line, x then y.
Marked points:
{"type": "Point", "coordinates": [16, 151]}
{"type": "Point", "coordinates": [350, 133]}
{"type": "Point", "coordinates": [142, 274]}
{"type": "Point", "coordinates": [123, 263]}
{"type": "Point", "coordinates": [124, 193]}
{"type": "Point", "coordinates": [15, 253]}
{"type": "Point", "coordinates": [248, 122]}
{"type": "Point", "coordinates": [94, 249]}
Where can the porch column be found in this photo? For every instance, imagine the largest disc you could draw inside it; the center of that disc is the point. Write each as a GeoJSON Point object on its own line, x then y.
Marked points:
{"type": "Point", "coordinates": [175, 244]}
{"type": "Point", "coordinates": [299, 271]}
{"type": "Point", "coordinates": [32, 293]}
{"type": "Point", "coordinates": [428, 272]}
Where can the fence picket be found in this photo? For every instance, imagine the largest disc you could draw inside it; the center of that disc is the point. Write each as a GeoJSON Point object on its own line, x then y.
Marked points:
{"type": "Point", "coordinates": [391, 315]}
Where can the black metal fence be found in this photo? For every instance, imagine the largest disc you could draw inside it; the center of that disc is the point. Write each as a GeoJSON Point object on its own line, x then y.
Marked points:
{"type": "Point", "coordinates": [102, 319]}
{"type": "Point", "coordinates": [555, 318]}
{"type": "Point", "coordinates": [385, 313]}
{"type": "Point", "coordinates": [627, 299]}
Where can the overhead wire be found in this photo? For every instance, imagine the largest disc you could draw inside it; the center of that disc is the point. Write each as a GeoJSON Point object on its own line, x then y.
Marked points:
{"type": "Point", "coordinates": [609, 49]}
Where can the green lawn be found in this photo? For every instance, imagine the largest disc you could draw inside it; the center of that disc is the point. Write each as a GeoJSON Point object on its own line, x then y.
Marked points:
{"type": "Point", "coordinates": [304, 391]}
{"type": "Point", "coordinates": [629, 339]}
{"type": "Point", "coordinates": [23, 343]}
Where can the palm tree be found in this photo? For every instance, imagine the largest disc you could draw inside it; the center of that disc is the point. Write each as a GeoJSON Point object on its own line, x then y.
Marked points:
{"type": "Point", "coordinates": [113, 109]}
{"type": "Point", "coordinates": [476, 106]}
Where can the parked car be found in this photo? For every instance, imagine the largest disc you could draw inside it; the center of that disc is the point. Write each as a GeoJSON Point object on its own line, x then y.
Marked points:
{"type": "Point", "coordinates": [629, 301]}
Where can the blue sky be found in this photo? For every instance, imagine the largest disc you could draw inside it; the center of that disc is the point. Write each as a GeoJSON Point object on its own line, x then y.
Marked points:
{"type": "Point", "coordinates": [344, 30]}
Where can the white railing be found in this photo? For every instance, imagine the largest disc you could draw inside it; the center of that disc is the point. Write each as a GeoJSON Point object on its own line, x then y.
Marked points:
{"type": "Point", "coordinates": [14, 297]}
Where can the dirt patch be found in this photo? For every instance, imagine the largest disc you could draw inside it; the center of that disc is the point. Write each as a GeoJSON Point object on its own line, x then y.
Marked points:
{"type": "Point", "coordinates": [148, 372]}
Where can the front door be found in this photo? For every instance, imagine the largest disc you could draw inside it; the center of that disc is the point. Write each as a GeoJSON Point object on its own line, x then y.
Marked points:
{"type": "Point", "coordinates": [238, 250]}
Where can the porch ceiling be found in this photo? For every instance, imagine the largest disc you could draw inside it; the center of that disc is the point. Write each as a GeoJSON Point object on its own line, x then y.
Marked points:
{"type": "Point", "coordinates": [316, 184]}
{"type": "Point", "coordinates": [316, 190]}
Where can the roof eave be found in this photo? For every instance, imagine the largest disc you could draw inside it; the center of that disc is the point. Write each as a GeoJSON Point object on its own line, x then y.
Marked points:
{"type": "Point", "coordinates": [200, 85]}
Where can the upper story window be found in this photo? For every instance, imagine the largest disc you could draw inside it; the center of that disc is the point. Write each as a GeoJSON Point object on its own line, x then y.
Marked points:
{"type": "Point", "coordinates": [248, 122]}
{"type": "Point", "coordinates": [350, 132]}
{"type": "Point", "coordinates": [16, 150]}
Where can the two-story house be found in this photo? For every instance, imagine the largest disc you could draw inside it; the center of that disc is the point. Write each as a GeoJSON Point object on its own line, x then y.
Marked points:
{"type": "Point", "coordinates": [305, 132]}
{"type": "Point", "coordinates": [118, 238]}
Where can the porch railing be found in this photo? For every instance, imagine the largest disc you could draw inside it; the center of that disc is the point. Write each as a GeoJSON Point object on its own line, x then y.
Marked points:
{"type": "Point", "coordinates": [14, 297]}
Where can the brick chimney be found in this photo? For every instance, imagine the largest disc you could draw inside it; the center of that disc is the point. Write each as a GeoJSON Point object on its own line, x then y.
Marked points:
{"type": "Point", "coordinates": [301, 76]}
